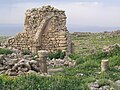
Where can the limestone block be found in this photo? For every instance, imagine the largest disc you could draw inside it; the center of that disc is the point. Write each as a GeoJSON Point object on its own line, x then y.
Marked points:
{"type": "Point", "coordinates": [62, 48]}
{"type": "Point", "coordinates": [62, 36]}
{"type": "Point", "coordinates": [63, 42]}
{"type": "Point", "coordinates": [52, 39]}
{"type": "Point", "coordinates": [63, 45]}
{"type": "Point", "coordinates": [62, 39]}
{"type": "Point", "coordinates": [42, 53]}
{"type": "Point", "coordinates": [43, 57]}
{"type": "Point", "coordinates": [104, 65]}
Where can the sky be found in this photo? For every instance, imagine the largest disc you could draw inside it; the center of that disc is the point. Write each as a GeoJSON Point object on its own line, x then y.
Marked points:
{"type": "Point", "coordinates": [82, 15]}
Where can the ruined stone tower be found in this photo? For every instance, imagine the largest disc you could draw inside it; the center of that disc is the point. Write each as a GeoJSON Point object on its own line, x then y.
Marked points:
{"type": "Point", "coordinates": [44, 29]}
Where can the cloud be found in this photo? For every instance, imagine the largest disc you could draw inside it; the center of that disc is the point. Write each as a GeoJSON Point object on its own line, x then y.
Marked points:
{"type": "Point", "coordinates": [91, 14]}
{"type": "Point", "coordinates": [78, 13]}
{"type": "Point", "coordinates": [87, 3]}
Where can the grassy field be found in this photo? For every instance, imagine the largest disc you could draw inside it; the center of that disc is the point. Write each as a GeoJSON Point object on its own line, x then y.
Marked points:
{"type": "Point", "coordinates": [3, 38]}
{"type": "Point", "coordinates": [86, 71]}
{"type": "Point", "coordinates": [88, 55]}
{"type": "Point", "coordinates": [87, 43]}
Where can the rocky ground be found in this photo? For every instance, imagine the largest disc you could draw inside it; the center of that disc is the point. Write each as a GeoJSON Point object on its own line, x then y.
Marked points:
{"type": "Point", "coordinates": [18, 63]}
{"type": "Point", "coordinates": [109, 86]}
{"type": "Point", "coordinates": [87, 43]}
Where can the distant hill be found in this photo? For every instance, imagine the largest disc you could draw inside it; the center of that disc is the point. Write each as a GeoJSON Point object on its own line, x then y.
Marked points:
{"type": "Point", "coordinates": [10, 30]}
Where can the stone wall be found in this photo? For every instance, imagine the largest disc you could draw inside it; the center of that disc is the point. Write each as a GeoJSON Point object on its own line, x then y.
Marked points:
{"type": "Point", "coordinates": [44, 29]}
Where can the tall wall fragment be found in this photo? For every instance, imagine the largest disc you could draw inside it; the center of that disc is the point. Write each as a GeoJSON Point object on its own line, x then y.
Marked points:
{"type": "Point", "coordinates": [44, 29]}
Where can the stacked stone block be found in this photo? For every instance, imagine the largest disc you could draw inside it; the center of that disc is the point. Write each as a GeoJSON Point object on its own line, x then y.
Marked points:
{"type": "Point", "coordinates": [44, 29]}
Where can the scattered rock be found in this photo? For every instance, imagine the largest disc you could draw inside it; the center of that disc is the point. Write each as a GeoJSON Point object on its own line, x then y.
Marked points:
{"type": "Point", "coordinates": [12, 62]}
{"type": "Point", "coordinates": [104, 88]}
{"type": "Point", "coordinates": [55, 70]}
{"type": "Point", "coordinates": [94, 85]}
{"type": "Point", "coordinates": [61, 62]}
{"type": "Point", "coordinates": [31, 71]}
{"type": "Point", "coordinates": [118, 82]}
{"type": "Point", "coordinates": [22, 65]}
{"type": "Point", "coordinates": [11, 72]}
{"type": "Point", "coordinates": [79, 74]}
{"type": "Point", "coordinates": [34, 65]}
{"type": "Point", "coordinates": [2, 60]}
{"type": "Point", "coordinates": [107, 49]}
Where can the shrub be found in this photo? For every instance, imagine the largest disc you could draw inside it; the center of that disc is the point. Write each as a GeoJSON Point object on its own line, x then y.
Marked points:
{"type": "Point", "coordinates": [56, 55]}
{"type": "Point", "coordinates": [103, 82]}
{"type": "Point", "coordinates": [115, 61]}
{"type": "Point", "coordinates": [79, 60]}
{"type": "Point", "coordinates": [74, 56]}
{"type": "Point", "coordinates": [104, 55]}
{"type": "Point", "coordinates": [90, 64]}
{"type": "Point", "coordinates": [34, 56]}
{"type": "Point", "coordinates": [89, 80]}
{"type": "Point", "coordinates": [26, 52]}
{"type": "Point", "coordinates": [5, 51]}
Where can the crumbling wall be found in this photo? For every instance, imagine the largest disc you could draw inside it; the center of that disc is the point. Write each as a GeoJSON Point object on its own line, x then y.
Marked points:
{"type": "Point", "coordinates": [44, 29]}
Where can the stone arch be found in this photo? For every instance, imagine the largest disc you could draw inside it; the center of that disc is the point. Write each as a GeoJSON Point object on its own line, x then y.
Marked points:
{"type": "Point", "coordinates": [41, 31]}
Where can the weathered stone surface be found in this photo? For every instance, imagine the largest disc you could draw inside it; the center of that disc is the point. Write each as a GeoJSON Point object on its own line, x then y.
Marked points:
{"type": "Point", "coordinates": [34, 65]}
{"type": "Point", "coordinates": [43, 59]}
{"type": "Point", "coordinates": [55, 70]}
{"type": "Point", "coordinates": [118, 82]}
{"type": "Point", "coordinates": [94, 84]}
{"type": "Point", "coordinates": [11, 62]}
{"type": "Point", "coordinates": [11, 72]}
{"type": "Point", "coordinates": [104, 88]}
{"type": "Point", "coordinates": [44, 29]}
{"type": "Point", "coordinates": [104, 65]}
{"type": "Point", "coordinates": [22, 65]}
{"type": "Point", "coordinates": [2, 60]}
{"type": "Point", "coordinates": [61, 62]}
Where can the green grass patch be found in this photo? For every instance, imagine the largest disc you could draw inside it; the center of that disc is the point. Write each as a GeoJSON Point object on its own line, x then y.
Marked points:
{"type": "Point", "coordinates": [5, 51]}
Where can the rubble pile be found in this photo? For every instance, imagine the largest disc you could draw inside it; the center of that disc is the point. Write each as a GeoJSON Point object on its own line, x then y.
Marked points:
{"type": "Point", "coordinates": [111, 47]}
{"type": "Point", "coordinates": [17, 64]}
{"type": "Point", "coordinates": [61, 62]}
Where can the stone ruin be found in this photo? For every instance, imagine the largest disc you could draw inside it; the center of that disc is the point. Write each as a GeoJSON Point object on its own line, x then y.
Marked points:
{"type": "Point", "coordinates": [44, 29]}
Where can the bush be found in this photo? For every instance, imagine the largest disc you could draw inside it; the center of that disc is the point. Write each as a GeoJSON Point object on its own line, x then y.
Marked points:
{"type": "Point", "coordinates": [56, 55]}
{"type": "Point", "coordinates": [89, 80]}
{"type": "Point", "coordinates": [103, 82]}
{"type": "Point", "coordinates": [26, 52]}
{"type": "Point", "coordinates": [34, 56]}
{"type": "Point", "coordinates": [105, 55]}
{"type": "Point", "coordinates": [5, 51]}
{"type": "Point", "coordinates": [74, 56]}
{"type": "Point", "coordinates": [90, 64]}
{"type": "Point", "coordinates": [79, 60]}
{"type": "Point", "coordinates": [115, 61]}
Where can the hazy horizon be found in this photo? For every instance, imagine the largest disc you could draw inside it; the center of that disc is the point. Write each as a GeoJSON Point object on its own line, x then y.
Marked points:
{"type": "Point", "coordinates": [13, 29]}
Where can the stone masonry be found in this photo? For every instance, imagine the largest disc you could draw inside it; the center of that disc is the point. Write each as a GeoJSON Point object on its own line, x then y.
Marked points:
{"type": "Point", "coordinates": [44, 29]}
